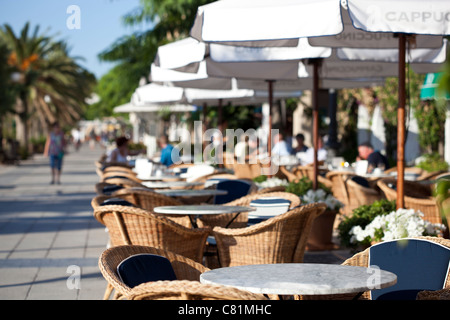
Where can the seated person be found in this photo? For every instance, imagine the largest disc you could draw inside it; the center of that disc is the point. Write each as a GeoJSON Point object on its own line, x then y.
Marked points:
{"type": "Point", "coordinates": [242, 149]}
{"type": "Point", "coordinates": [121, 152]}
{"type": "Point", "coordinates": [374, 158]}
{"type": "Point", "coordinates": [167, 158]}
{"type": "Point", "coordinates": [308, 156]}
{"type": "Point", "coordinates": [300, 139]}
{"type": "Point", "coordinates": [280, 147]}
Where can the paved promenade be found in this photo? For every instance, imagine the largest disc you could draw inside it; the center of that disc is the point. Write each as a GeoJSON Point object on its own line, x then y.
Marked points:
{"type": "Point", "coordinates": [49, 240]}
{"type": "Point", "coordinates": [48, 235]}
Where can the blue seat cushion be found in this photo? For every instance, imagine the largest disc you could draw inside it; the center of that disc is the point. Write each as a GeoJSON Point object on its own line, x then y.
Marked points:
{"type": "Point", "coordinates": [116, 177]}
{"type": "Point", "coordinates": [361, 181]}
{"type": "Point", "coordinates": [236, 189]}
{"type": "Point", "coordinates": [418, 263]}
{"type": "Point", "coordinates": [110, 189]}
{"type": "Point", "coordinates": [270, 202]}
{"type": "Point", "coordinates": [141, 268]}
{"type": "Point", "coordinates": [117, 201]}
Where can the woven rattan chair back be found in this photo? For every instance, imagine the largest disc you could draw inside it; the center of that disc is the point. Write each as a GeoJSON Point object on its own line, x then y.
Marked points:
{"type": "Point", "coordinates": [416, 196]}
{"type": "Point", "coordinates": [136, 226]}
{"type": "Point", "coordinates": [189, 290]}
{"type": "Point", "coordinates": [120, 174]}
{"type": "Point", "coordinates": [222, 220]}
{"type": "Point", "coordinates": [119, 169]}
{"type": "Point", "coordinates": [281, 239]}
{"type": "Point", "coordinates": [185, 268]}
{"type": "Point", "coordinates": [339, 188]}
{"type": "Point", "coordinates": [299, 172]}
{"type": "Point", "coordinates": [359, 195]}
{"type": "Point", "coordinates": [148, 200]}
{"type": "Point", "coordinates": [124, 182]}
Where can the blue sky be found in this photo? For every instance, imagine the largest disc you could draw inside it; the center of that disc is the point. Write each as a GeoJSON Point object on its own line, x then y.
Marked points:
{"type": "Point", "coordinates": [100, 24]}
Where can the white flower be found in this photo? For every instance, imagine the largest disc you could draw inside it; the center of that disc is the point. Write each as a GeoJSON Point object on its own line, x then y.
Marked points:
{"type": "Point", "coordinates": [319, 195]}
{"type": "Point", "coordinates": [272, 182]}
{"type": "Point", "coordinates": [402, 223]}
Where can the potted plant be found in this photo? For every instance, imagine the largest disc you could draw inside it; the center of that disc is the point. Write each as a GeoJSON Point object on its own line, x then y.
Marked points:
{"type": "Point", "coordinates": [362, 216]}
{"type": "Point", "coordinates": [402, 223]}
{"type": "Point", "coordinates": [320, 237]}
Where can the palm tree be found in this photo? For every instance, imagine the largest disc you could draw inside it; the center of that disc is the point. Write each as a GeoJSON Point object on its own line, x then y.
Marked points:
{"type": "Point", "coordinates": [51, 85]}
{"type": "Point", "coordinates": [7, 94]}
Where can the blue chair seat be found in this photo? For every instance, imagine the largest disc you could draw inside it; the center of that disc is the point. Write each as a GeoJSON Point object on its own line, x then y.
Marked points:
{"type": "Point", "coordinates": [108, 190]}
{"type": "Point", "coordinates": [361, 181]}
{"type": "Point", "coordinates": [418, 263]}
{"type": "Point", "coordinates": [235, 189]}
{"type": "Point", "coordinates": [141, 268]}
{"type": "Point", "coordinates": [116, 201]}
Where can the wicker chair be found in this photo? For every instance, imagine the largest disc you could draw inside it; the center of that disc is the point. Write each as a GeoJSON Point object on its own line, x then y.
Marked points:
{"type": "Point", "coordinates": [359, 195]}
{"type": "Point", "coordinates": [101, 188]}
{"type": "Point", "coordinates": [444, 175]}
{"type": "Point", "coordinates": [443, 294]}
{"type": "Point", "coordinates": [248, 170]}
{"type": "Point", "coordinates": [421, 175]}
{"type": "Point", "coordinates": [221, 220]}
{"type": "Point", "coordinates": [299, 172]}
{"type": "Point", "coordinates": [417, 196]}
{"type": "Point", "coordinates": [361, 259]}
{"type": "Point", "coordinates": [146, 199]}
{"type": "Point", "coordinates": [425, 176]}
{"type": "Point", "coordinates": [119, 169]}
{"type": "Point", "coordinates": [106, 176]}
{"type": "Point", "coordinates": [136, 226]}
{"type": "Point", "coordinates": [339, 189]}
{"type": "Point", "coordinates": [124, 182]}
{"type": "Point", "coordinates": [185, 268]}
{"type": "Point", "coordinates": [189, 290]}
{"type": "Point", "coordinates": [281, 239]}
{"type": "Point", "coordinates": [207, 177]}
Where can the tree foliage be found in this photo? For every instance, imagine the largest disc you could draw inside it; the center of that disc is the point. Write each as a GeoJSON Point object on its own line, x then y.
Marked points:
{"type": "Point", "coordinates": [134, 53]}
{"type": "Point", "coordinates": [50, 85]}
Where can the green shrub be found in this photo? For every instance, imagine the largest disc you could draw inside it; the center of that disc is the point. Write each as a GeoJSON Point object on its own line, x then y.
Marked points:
{"type": "Point", "coordinates": [301, 187]}
{"type": "Point", "coordinates": [433, 162]}
{"type": "Point", "coordinates": [260, 179]}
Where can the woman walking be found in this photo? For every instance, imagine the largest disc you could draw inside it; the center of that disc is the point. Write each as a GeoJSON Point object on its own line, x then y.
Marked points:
{"type": "Point", "coordinates": [54, 148]}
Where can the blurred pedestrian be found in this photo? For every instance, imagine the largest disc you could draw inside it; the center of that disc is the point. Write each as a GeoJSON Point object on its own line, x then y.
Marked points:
{"type": "Point", "coordinates": [76, 136]}
{"type": "Point", "coordinates": [55, 149]}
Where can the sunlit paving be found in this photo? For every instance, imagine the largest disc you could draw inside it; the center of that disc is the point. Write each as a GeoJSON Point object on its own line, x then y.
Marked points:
{"type": "Point", "coordinates": [275, 152]}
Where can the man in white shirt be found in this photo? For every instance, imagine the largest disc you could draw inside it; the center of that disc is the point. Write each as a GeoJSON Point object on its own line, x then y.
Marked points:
{"type": "Point", "coordinates": [280, 147]}
{"type": "Point", "coordinates": [308, 156]}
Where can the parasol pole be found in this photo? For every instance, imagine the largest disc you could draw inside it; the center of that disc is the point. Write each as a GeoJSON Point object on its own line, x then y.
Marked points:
{"type": "Point", "coordinates": [269, 139]}
{"type": "Point", "coordinates": [401, 121]}
{"type": "Point", "coordinates": [315, 101]}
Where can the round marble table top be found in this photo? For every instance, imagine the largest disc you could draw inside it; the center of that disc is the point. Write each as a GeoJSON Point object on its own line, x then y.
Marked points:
{"type": "Point", "coordinates": [201, 209]}
{"type": "Point", "coordinates": [192, 193]}
{"type": "Point", "coordinates": [169, 184]}
{"type": "Point", "coordinates": [300, 278]}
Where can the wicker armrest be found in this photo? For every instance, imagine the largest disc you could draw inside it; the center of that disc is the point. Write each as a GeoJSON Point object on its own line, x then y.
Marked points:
{"type": "Point", "coordinates": [443, 294]}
